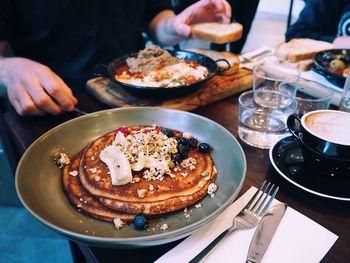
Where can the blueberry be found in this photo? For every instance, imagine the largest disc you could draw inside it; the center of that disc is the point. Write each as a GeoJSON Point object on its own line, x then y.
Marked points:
{"type": "Point", "coordinates": [183, 151]}
{"type": "Point", "coordinates": [169, 133]}
{"type": "Point", "coordinates": [204, 147]}
{"type": "Point", "coordinates": [141, 222]}
{"type": "Point", "coordinates": [182, 141]}
{"type": "Point", "coordinates": [345, 59]}
{"type": "Point", "coordinates": [193, 142]}
{"type": "Point", "coordinates": [327, 57]}
{"type": "Point", "coordinates": [176, 158]}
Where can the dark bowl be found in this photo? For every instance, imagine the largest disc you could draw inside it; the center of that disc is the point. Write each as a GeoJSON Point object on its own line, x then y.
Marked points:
{"type": "Point", "coordinates": [321, 63]}
{"type": "Point", "coordinates": [110, 70]}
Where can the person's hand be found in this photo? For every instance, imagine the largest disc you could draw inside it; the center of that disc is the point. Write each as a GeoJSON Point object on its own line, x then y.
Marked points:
{"type": "Point", "coordinates": [202, 11]}
{"type": "Point", "coordinates": [33, 89]}
{"type": "Point", "coordinates": [342, 42]}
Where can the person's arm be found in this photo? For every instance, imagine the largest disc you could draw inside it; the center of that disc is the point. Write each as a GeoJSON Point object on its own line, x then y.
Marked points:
{"type": "Point", "coordinates": [32, 88]}
{"type": "Point", "coordinates": [168, 29]}
{"type": "Point", "coordinates": [318, 20]}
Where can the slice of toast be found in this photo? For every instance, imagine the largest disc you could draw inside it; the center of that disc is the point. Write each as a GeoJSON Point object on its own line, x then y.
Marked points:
{"type": "Point", "coordinates": [300, 49]}
{"type": "Point", "coordinates": [217, 32]}
{"type": "Point", "coordinates": [232, 59]}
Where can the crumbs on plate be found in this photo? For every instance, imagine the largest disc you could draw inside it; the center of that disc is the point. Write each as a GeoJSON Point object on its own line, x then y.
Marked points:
{"type": "Point", "coordinates": [61, 159]}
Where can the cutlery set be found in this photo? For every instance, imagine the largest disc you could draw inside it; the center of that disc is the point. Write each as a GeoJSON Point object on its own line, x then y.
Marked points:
{"type": "Point", "coordinates": [255, 213]}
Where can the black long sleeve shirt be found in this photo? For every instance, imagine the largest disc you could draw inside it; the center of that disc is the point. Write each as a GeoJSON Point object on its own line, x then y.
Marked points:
{"type": "Point", "coordinates": [72, 36]}
{"type": "Point", "coordinates": [322, 20]}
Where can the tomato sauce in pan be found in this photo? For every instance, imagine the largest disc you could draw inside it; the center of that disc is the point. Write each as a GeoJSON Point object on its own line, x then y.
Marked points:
{"type": "Point", "coordinates": [182, 73]}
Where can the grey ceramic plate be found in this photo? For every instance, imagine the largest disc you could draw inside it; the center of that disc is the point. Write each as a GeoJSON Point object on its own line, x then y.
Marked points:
{"type": "Point", "coordinates": [39, 186]}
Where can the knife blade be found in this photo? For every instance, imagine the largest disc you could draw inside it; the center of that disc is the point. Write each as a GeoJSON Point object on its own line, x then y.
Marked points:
{"type": "Point", "coordinates": [265, 232]}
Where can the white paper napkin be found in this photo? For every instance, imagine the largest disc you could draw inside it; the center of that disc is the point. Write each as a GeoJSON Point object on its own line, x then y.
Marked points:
{"type": "Point", "coordinates": [267, 54]}
{"type": "Point", "coordinates": [297, 239]}
{"type": "Point", "coordinates": [256, 53]}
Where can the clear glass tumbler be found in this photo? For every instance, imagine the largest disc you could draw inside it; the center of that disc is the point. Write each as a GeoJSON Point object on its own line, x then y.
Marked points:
{"type": "Point", "coordinates": [262, 126]}
{"type": "Point", "coordinates": [266, 80]}
{"type": "Point", "coordinates": [309, 95]}
{"type": "Point", "coordinates": [345, 100]}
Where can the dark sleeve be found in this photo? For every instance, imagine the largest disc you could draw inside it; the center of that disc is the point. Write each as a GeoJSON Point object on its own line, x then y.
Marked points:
{"type": "Point", "coordinates": [7, 18]}
{"type": "Point", "coordinates": [180, 5]}
{"type": "Point", "coordinates": [243, 12]}
{"type": "Point", "coordinates": [154, 7]}
{"type": "Point", "coordinates": [318, 20]}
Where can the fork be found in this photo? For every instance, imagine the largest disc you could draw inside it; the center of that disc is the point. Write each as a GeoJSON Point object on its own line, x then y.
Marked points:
{"type": "Point", "coordinates": [247, 218]}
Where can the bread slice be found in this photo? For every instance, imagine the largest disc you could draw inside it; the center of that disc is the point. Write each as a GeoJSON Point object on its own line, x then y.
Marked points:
{"type": "Point", "coordinates": [217, 32]}
{"type": "Point", "coordinates": [299, 49]}
{"type": "Point", "coordinates": [232, 59]}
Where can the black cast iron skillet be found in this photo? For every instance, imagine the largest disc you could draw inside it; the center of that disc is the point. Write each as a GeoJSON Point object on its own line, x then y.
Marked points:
{"type": "Point", "coordinates": [110, 70]}
{"type": "Point", "coordinates": [321, 62]}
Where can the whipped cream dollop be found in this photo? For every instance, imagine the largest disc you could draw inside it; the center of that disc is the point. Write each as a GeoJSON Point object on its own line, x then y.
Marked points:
{"type": "Point", "coordinates": [118, 165]}
{"type": "Point", "coordinates": [145, 149]}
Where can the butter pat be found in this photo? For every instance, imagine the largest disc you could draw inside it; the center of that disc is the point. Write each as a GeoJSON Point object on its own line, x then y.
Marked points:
{"type": "Point", "coordinates": [118, 165]}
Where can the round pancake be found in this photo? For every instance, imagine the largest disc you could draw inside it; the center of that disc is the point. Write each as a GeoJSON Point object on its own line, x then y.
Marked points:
{"type": "Point", "coordinates": [82, 199]}
{"type": "Point", "coordinates": [159, 197]}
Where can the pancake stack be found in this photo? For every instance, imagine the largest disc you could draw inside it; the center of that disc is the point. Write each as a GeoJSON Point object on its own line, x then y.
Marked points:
{"type": "Point", "coordinates": [88, 185]}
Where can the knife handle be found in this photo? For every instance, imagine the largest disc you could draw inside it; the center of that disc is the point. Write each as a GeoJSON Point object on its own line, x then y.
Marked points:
{"type": "Point", "coordinates": [210, 248]}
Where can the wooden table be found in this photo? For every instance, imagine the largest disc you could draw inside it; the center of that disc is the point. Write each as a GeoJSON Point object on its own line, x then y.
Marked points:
{"type": "Point", "coordinates": [334, 215]}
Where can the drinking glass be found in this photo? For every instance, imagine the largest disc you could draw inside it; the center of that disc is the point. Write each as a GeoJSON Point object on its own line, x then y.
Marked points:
{"type": "Point", "coordinates": [309, 95]}
{"type": "Point", "coordinates": [266, 80]}
{"type": "Point", "coordinates": [345, 100]}
{"type": "Point", "coordinates": [262, 126]}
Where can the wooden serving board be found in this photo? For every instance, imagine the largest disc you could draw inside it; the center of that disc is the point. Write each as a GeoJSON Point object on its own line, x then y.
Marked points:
{"type": "Point", "coordinates": [217, 88]}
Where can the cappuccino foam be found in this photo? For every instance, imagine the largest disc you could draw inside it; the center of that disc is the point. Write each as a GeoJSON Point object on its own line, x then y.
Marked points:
{"type": "Point", "coordinates": [330, 126]}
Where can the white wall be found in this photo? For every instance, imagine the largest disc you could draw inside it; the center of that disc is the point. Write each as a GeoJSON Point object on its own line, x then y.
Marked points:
{"type": "Point", "coordinates": [280, 7]}
{"type": "Point", "coordinates": [270, 23]}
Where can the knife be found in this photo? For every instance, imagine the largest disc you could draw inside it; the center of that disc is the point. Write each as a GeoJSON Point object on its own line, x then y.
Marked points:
{"type": "Point", "coordinates": [264, 233]}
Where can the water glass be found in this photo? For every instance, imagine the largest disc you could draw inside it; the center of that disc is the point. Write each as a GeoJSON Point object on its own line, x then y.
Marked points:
{"type": "Point", "coordinates": [309, 95]}
{"type": "Point", "coordinates": [262, 126]}
{"type": "Point", "coordinates": [266, 80]}
{"type": "Point", "coordinates": [345, 100]}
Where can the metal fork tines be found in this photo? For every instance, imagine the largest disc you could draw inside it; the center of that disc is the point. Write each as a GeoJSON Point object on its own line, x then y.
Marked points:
{"type": "Point", "coordinates": [248, 217]}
